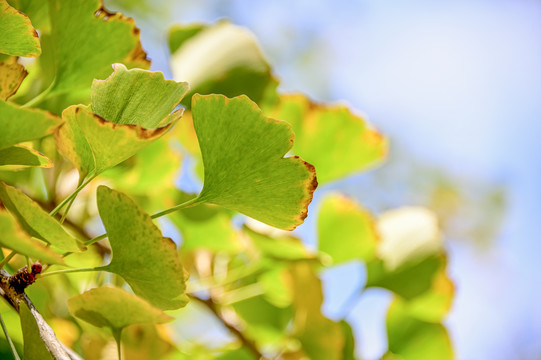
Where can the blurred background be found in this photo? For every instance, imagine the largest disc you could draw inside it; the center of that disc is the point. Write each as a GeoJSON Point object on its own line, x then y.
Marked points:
{"type": "Point", "coordinates": [455, 85]}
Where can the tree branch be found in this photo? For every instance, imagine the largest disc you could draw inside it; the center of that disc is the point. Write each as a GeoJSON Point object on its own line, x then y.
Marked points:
{"type": "Point", "coordinates": [249, 344]}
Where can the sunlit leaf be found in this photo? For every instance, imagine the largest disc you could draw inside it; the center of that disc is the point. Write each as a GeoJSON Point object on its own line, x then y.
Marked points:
{"type": "Point", "coordinates": [11, 77]}
{"type": "Point", "coordinates": [137, 97]}
{"type": "Point", "coordinates": [108, 38]}
{"type": "Point", "coordinates": [114, 308]}
{"type": "Point", "coordinates": [17, 36]}
{"type": "Point", "coordinates": [14, 238]}
{"type": "Point", "coordinates": [336, 141]}
{"type": "Point", "coordinates": [413, 339]}
{"type": "Point", "coordinates": [278, 248]}
{"type": "Point", "coordinates": [244, 166]}
{"type": "Point", "coordinates": [21, 155]}
{"type": "Point", "coordinates": [142, 342]}
{"type": "Point", "coordinates": [21, 124]}
{"type": "Point", "coordinates": [37, 11]}
{"type": "Point", "coordinates": [346, 231]}
{"type": "Point", "coordinates": [35, 220]}
{"type": "Point", "coordinates": [141, 255]}
{"type": "Point", "coordinates": [93, 144]}
{"type": "Point", "coordinates": [222, 58]}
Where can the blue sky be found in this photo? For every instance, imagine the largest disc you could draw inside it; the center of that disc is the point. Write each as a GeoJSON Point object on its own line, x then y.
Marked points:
{"type": "Point", "coordinates": [456, 85]}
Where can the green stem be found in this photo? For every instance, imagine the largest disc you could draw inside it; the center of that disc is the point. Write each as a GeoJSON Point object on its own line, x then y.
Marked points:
{"type": "Point", "coordinates": [40, 96]}
{"type": "Point", "coordinates": [117, 334]}
{"type": "Point", "coordinates": [184, 205]}
{"type": "Point", "coordinates": [65, 271]}
{"type": "Point", "coordinates": [7, 259]}
{"type": "Point", "coordinates": [8, 338]}
{"type": "Point", "coordinates": [71, 196]}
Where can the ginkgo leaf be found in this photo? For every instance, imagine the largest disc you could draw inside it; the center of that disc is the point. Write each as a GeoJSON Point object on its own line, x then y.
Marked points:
{"type": "Point", "coordinates": [414, 339]}
{"type": "Point", "coordinates": [221, 58]}
{"type": "Point", "coordinates": [21, 124]}
{"type": "Point", "coordinates": [14, 238]}
{"type": "Point", "coordinates": [336, 141]}
{"type": "Point", "coordinates": [114, 308]}
{"type": "Point", "coordinates": [141, 255]}
{"type": "Point", "coordinates": [21, 155]}
{"type": "Point", "coordinates": [137, 97]}
{"type": "Point", "coordinates": [244, 165]}
{"type": "Point", "coordinates": [17, 36]}
{"type": "Point", "coordinates": [108, 38]}
{"type": "Point", "coordinates": [35, 220]}
{"type": "Point", "coordinates": [11, 77]}
{"type": "Point", "coordinates": [94, 144]}
{"type": "Point", "coordinates": [346, 231]}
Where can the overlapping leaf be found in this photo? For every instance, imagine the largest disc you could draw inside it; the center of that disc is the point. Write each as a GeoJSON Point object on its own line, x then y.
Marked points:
{"type": "Point", "coordinates": [17, 35]}
{"type": "Point", "coordinates": [24, 156]}
{"type": "Point", "coordinates": [141, 255]}
{"type": "Point", "coordinates": [21, 124]}
{"type": "Point", "coordinates": [14, 238]}
{"type": "Point", "coordinates": [108, 38]}
{"type": "Point", "coordinates": [114, 308]}
{"type": "Point", "coordinates": [245, 169]}
{"type": "Point", "coordinates": [336, 141]}
{"type": "Point", "coordinates": [35, 220]}
{"type": "Point", "coordinates": [11, 77]}
{"type": "Point", "coordinates": [94, 143]}
{"type": "Point", "coordinates": [345, 230]}
{"type": "Point", "coordinates": [221, 58]}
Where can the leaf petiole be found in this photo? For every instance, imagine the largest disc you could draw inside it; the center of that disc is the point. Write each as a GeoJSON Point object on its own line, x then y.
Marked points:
{"type": "Point", "coordinates": [65, 271]}
{"type": "Point", "coordinates": [42, 95]}
{"type": "Point", "coordinates": [72, 195]}
{"type": "Point", "coordinates": [7, 259]}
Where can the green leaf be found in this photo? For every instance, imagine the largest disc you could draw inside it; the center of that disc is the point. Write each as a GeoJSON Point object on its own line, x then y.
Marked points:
{"type": "Point", "coordinates": [141, 255]}
{"type": "Point", "coordinates": [346, 231]}
{"type": "Point", "coordinates": [244, 166]}
{"type": "Point", "coordinates": [22, 155]}
{"type": "Point", "coordinates": [14, 238]}
{"type": "Point", "coordinates": [114, 308]}
{"type": "Point", "coordinates": [286, 248]}
{"type": "Point", "coordinates": [413, 339]}
{"type": "Point", "coordinates": [137, 97]}
{"type": "Point", "coordinates": [35, 220]}
{"type": "Point", "coordinates": [93, 144]}
{"type": "Point", "coordinates": [319, 128]}
{"type": "Point", "coordinates": [108, 38]}
{"type": "Point", "coordinates": [221, 58]}
{"type": "Point", "coordinates": [11, 77]}
{"type": "Point", "coordinates": [21, 124]}
{"type": "Point", "coordinates": [408, 281]}
{"type": "Point", "coordinates": [17, 36]}
{"type": "Point", "coordinates": [34, 347]}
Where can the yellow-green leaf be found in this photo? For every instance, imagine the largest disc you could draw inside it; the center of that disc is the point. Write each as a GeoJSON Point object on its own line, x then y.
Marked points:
{"type": "Point", "coordinates": [245, 169]}
{"type": "Point", "coordinates": [11, 77]}
{"type": "Point", "coordinates": [35, 220]}
{"type": "Point", "coordinates": [24, 156]}
{"type": "Point", "coordinates": [331, 137]}
{"type": "Point", "coordinates": [114, 308]}
{"type": "Point", "coordinates": [141, 255]}
{"type": "Point", "coordinates": [17, 36]}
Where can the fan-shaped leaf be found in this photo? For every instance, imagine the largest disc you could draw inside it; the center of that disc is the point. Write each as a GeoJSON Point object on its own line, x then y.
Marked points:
{"type": "Point", "coordinates": [17, 36]}
{"type": "Point", "coordinates": [21, 155]}
{"type": "Point", "coordinates": [11, 77]}
{"type": "Point", "coordinates": [245, 169]}
{"type": "Point", "coordinates": [35, 220]}
{"type": "Point", "coordinates": [141, 255]}
{"type": "Point", "coordinates": [114, 308]}
{"type": "Point", "coordinates": [320, 128]}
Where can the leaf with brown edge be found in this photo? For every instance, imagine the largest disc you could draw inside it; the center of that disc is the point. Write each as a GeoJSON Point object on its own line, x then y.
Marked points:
{"type": "Point", "coordinates": [93, 144]}
{"type": "Point", "coordinates": [11, 77]}
{"type": "Point", "coordinates": [319, 128]}
{"type": "Point", "coordinates": [21, 124]}
{"type": "Point", "coordinates": [17, 35]}
{"type": "Point", "coordinates": [245, 168]}
{"type": "Point", "coordinates": [23, 156]}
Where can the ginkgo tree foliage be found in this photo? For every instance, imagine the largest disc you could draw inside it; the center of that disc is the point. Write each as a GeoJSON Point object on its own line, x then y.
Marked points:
{"type": "Point", "coordinates": [92, 145]}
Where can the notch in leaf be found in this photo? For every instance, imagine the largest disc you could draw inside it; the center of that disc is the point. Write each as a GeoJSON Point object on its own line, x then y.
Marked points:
{"type": "Point", "coordinates": [245, 168]}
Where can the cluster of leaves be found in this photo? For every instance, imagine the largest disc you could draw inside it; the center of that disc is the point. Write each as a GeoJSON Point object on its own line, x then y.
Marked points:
{"type": "Point", "coordinates": [126, 146]}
